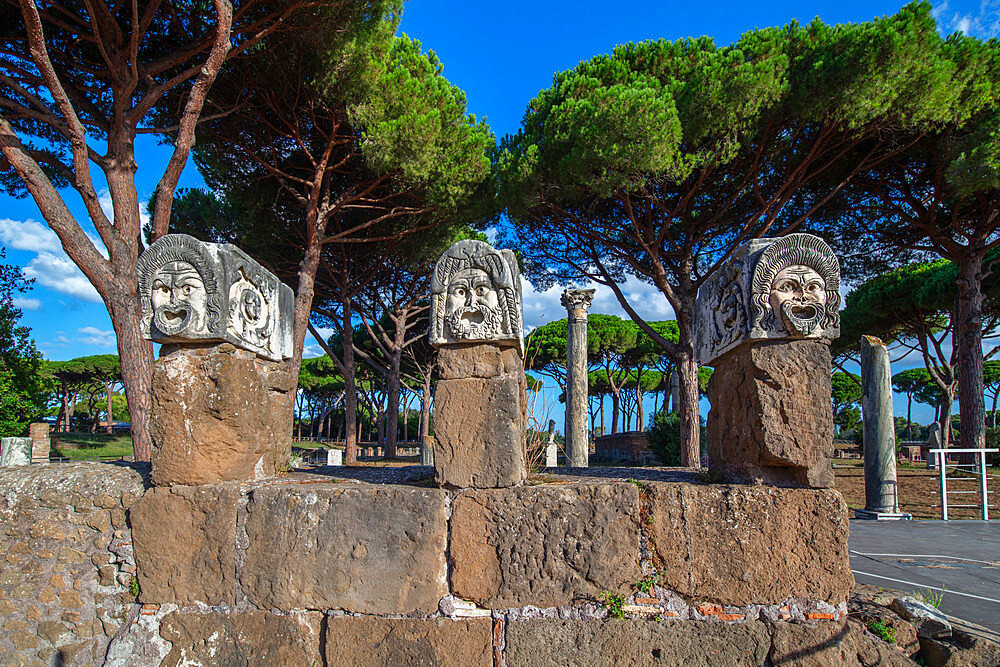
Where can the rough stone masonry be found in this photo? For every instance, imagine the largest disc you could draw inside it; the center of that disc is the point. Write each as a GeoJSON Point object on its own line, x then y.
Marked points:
{"type": "Point", "coordinates": [479, 400]}
{"type": "Point", "coordinates": [222, 399]}
{"type": "Point", "coordinates": [766, 319]}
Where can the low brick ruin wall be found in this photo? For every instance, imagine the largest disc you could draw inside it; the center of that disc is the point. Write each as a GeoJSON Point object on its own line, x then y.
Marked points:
{"type": "Point", "coordinates": [316, 569]}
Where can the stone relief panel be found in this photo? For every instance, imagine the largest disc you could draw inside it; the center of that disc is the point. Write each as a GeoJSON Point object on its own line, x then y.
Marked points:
{"type": "Point", "coordinates": [195, 291]}
{"type": "Point", "coordinates": [476, 295]}
{"type": "Point", "coordinates": [787, 287]}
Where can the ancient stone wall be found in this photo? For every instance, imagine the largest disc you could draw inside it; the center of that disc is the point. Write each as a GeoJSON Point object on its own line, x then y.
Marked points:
{"type": "Point", "coordinates": [310, 569]}
{"type": "Point", "coordinates": [67, 567]}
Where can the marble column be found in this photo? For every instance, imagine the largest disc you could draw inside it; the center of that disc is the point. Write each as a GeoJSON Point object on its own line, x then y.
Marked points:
{"type": "Point", "coordinates": [577, 302]}
{"type": "Point", "coordinates": [881, 498]}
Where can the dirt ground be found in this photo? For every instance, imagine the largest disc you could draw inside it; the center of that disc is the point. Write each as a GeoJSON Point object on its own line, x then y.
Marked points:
{"type": "Point", "coordinates": [920, 491]}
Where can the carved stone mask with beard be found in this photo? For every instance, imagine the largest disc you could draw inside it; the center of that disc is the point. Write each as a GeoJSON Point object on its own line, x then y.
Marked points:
{"type": "Point", "coordinates": [798, 297]}
{"type": "Point", "coordinates": [472, 310]}
{"type": "Point", "coordinates": [179, 299]}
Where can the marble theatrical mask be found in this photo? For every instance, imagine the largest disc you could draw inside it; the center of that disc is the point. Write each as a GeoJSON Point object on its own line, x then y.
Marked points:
{"type": "Point", "coordinates": [179, 299]}
{"type": "Point", "coordinates": [472, 307]}
{"type": "Point", "coordinates": [798, 298]}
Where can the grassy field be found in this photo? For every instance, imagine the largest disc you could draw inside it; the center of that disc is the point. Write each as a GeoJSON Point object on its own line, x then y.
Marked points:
{"type": "Point", "coordinates": [81, 446]}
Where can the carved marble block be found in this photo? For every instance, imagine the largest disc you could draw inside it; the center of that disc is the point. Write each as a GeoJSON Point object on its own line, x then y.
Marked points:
{"type": "Point", "coordinates": [765, 321]}
{"type": "Point", "coordinates": [200, 292]}
{"type": "Point", "coordinates": [774, 288]}
{"type": "Point", "coordinates": [479, 402]}
{"type": "Point", "coordinates": [476, 296]}
{"type": "Point", "coordinates": [222, 399]}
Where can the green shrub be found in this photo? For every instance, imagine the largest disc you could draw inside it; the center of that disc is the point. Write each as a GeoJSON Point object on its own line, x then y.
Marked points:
{"type": "Point", "coordinates": [882, 631]}
{"type": "Point", "coordinates": [615, 604]}
{"type": "Point", "coordinates": [665, 437]}
{"type": "Point", "coordinates": [993, 442]}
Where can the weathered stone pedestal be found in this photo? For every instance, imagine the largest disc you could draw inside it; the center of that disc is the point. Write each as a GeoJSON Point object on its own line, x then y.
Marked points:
{"type": "Point", "coordinates": [219, 414]}
{"type": "Point", "coordinates": [479, 417]}
{"type": "Point", "coordinates": [766, 318]}
{"type": "Point", "coordinates": [479, 400]}
{"type": "Point", "coordinates": [771, 419]}
{"type": "Point", "coordinates": [881, 497]}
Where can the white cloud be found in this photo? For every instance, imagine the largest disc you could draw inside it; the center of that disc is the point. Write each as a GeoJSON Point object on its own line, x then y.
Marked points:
{"type": "Point", "coordinates": [27, 304]}
{"type": "Point", "coordinates": [96, 337]}
{"type": "Point", "coordinates": [28, 235]}
{"type": "Point", "coordinates": [311, 350]}
{"type": "Point", "coordinates": [542, 307]}
{"type": "Point", "coordinates": [984, 24]}
{"type": "Point", "coordinates": [58, 272]}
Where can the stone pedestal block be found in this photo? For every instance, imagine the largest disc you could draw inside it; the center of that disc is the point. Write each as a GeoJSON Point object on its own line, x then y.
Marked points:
{"type": "Point", "coordinates": [771, 419]}
{"type": "Point", "coordinates": [15, 452]}
{"type": "Point", "coordinates": [544, 545]}
{"type": "Point", "coordinates": [184, 539]}
{"type": "Point", "coordinates": [479, 432]}
{"type": "Point", "coordinates": [388, 642]}
{"type": "Point", "coordinates": [335, 457]}
{"type": "Point", "coordinates": [219, 414]}
{"type": "Point", "coordinates": [539, 642]}
{"type": "Point", "coordinates": [478, 360]}
{"type": "Point", "coordinates": [739, 545]}
{"type": "Point", "coordinates": [375, 550]}
{"type": "Point", "coordinates": [40, 444]}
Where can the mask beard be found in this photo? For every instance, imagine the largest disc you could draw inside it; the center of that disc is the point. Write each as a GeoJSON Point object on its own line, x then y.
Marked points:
{"type": "Point", "coordinates": [801, 319]}
{"type": "Point", "coordinates": [474, 323]}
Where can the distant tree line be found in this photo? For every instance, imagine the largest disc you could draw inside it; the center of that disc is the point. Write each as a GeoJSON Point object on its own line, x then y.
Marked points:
{"type": "Point", "coordinates": [338, 155]}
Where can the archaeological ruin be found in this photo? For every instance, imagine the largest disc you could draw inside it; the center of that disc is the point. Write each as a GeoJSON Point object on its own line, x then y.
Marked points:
{"type": "Point", "coordinates": [221, 555]}
{"type": "Point", "coordinates": [767, 319]}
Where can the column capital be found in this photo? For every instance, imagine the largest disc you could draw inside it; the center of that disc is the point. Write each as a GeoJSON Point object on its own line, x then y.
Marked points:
{"type": "Point", "coordinates": [577, 298]}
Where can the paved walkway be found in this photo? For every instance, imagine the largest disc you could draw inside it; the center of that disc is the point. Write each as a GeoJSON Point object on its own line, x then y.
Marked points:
{"type": "Point", "coordinates": [959, 558]}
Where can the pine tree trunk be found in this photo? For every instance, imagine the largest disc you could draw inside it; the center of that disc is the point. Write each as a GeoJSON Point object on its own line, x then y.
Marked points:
{"type": "Point", "coordinates": [968, 339]}
{"type": "Point", "coordinates": [615, 407]}
{"type": "Point", "coordinates": [995, 394]}
{"type": "Point", "coordinates": [687, 373]}
{"type": "Point", "coordinates": [350, 388]}
{"type": "Point", "coordinates": [425, 411]}
{"type": "Point", "coordinates": [136, 356]}
{"type": "Point", "coordinates": [392, 403]}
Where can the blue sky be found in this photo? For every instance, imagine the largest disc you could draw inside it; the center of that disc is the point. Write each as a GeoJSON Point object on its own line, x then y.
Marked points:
{"type": "Point", "coordinates": [501, 55]}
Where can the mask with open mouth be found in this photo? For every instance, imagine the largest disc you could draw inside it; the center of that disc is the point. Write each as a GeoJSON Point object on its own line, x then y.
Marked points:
{"type": "Point", "coordinates": [474, 323]}
{"type": "Point", "coordinates": [798, 294]}
{"type": "Point", "coordinates": [179, 299]}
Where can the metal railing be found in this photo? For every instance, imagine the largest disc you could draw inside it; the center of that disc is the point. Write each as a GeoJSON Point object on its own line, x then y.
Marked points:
{"type": "Point", "coordinates": [941, 455]}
